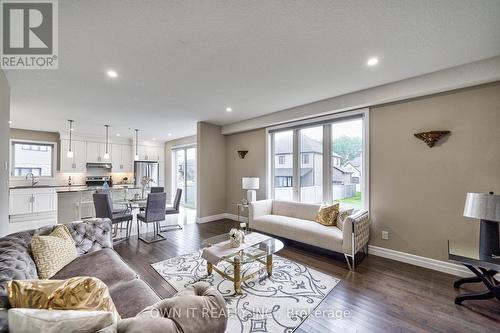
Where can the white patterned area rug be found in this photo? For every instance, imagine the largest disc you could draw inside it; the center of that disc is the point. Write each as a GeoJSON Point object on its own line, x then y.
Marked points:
{"type": "Point", "coordinates": [276, 304]}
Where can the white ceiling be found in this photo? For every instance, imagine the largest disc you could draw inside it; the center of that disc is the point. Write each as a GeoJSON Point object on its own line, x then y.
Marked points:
{"type": "Point", "coordinates": [184, 61]}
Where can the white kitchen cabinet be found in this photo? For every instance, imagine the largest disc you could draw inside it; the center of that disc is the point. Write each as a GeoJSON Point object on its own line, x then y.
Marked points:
{"type": "Point", "coordinates": [44, 202]}
{"type": "Point", "coordinates": [96, 151]}
{"type": "Point", "coordinates": [20, 202]}
{"type": "Point", "coordinates": [151, 153]}
{"type": "Point", "coordinates": [78, 162]}
{"type": "Point", "coordinates": [142, 152]}
{"type": "Point", "coordinates": [121, 158]}
{"type": "Point", "coordinates": [32, 201]}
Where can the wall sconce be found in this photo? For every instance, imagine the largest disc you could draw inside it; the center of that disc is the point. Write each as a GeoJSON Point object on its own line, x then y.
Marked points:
{"type": "Point", "coordinates": [242, 153]}
{"type": "Point", "coordinates": [431, 137]}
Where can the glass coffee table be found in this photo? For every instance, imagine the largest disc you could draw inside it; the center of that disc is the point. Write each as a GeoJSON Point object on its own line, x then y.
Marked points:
{"type": "Point", "coordinates": [261, 252]}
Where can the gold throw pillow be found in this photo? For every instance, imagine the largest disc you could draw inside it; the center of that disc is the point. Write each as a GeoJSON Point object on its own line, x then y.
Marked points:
{"type": "Point", "coordinates": [53, 252]}
{"type": "Point", "coordinates": [78, 293]}
{"type": "Point", "coordinates": [327, 215]}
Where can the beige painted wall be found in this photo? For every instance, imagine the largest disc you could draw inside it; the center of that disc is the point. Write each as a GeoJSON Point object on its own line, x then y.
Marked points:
{"type": "Point", "coordinates": [4, 152]}
{"type": "Point", "coordinates": [22, 134]}
{"type": "Point", "coordinates": [418, 193]}
{"type": "Point", "coordinates": [169, 184]}
{"type": "Point", "coordinates": [211, 165]}
{"type": "Point", "coordinates": [254, 165]}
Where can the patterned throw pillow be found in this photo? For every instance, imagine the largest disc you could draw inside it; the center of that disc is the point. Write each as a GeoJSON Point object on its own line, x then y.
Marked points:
{"type": "Point", "coordinates": [342, 216]}
{"type": "Point", "coordinates": [327, 215]}
{"type": "Point", "coordinates": [77, 293]}
{"type": "Point", "coordinates": [53, 252]}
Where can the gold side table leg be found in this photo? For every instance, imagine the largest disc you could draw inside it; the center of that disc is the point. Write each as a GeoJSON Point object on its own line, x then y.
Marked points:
{"type": "Point", "coordinates": [269, 265]}
{"type": "Point", "coordinates": [209, 268]}
{"type": "Point", "coordinates": [237, 277]}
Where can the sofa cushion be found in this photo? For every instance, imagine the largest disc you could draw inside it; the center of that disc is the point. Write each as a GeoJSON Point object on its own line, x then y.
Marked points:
{"type": "Point", "coordinates": [327, 215]}
{"type": "Point", "coordinates": [298, 210]}
{"type": "Point", "coordinates": [300, 230]}
{"type": "Point", "coordinates": [131, 297]}
{"type": "Point", "coordinates": [78, 293]}
{"type": "Point", "coordinates": [106, 265]}
{"type": "Point", "coordinates": [53, 252]}
{"type": "Point", "coordinates": [57, 321]}
{"type": "Point", "coordinates": [342, 217]}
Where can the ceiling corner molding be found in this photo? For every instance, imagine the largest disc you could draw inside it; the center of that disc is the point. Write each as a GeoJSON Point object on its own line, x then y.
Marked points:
{"type": "Point", "coordinates": [468, 75]}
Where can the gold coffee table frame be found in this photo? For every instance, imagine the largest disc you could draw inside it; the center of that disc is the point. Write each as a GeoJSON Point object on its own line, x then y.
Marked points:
{"type": "Point", "coordinates": [261, 252]}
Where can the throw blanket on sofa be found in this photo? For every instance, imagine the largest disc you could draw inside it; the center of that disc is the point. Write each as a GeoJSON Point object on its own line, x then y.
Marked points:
{"type": "Point", "coordinates": [213, 254]}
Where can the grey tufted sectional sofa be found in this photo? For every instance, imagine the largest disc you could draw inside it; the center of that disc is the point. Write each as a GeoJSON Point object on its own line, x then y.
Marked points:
{"type": "Point", "coordinates": [96, 258]}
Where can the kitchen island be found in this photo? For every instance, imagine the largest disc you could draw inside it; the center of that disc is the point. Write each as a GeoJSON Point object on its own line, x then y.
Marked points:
{"type": "Point", "coordinates": [76, 203]}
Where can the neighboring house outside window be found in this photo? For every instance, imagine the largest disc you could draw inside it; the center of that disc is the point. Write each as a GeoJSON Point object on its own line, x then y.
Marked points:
{"type": "Point", "coordinates": [281, 159]}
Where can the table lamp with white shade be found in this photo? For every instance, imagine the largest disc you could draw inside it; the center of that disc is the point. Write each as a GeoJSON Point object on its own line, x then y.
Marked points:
{"type": "Point", "coordinates": [250, 184]}
{"type": "Point", "coordinates": [486, 207]}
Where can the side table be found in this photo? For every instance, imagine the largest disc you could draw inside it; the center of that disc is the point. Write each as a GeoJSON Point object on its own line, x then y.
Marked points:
{"type": "Point", "coordinates": [243, 225]}
{"type": "Point", "coordinates": [484, 271]}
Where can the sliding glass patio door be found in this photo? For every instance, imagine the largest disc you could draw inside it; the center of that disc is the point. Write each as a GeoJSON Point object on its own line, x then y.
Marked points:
{"type": "Point", "coordinates": [185, 174]}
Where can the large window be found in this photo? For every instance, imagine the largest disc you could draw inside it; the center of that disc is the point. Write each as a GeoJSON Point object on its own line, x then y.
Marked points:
{"type": "Point", "coordinates": [283, 165]}
{"type": "Point", "coordinates": [32, 157]}
{"type": "Point", "coordinates": [311, 168]}
{"type": "Point", "coordinates": [321, 161]}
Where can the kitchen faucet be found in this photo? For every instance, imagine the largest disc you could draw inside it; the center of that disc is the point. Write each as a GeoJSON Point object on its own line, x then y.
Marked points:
{"type": "Point", "coordinates": [34, 181]}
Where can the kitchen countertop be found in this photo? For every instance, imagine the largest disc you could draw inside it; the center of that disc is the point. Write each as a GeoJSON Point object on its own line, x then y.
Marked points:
{"type": "Point", "coordinates": [43, 186]}
{"type": "Point", "coordinates": [76, 188]}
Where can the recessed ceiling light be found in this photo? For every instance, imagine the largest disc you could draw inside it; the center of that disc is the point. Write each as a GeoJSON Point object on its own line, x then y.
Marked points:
{"type": "Point", "coordinates": [118, 134]}
{"type": "Point", "coordinates": [372, 61]}
{"type": "Point", "coordinates": [112, 73]}
{"type": "Point", "coordinates": [228, 109]}
{"type": "Point", "coordinates": [169, 134]}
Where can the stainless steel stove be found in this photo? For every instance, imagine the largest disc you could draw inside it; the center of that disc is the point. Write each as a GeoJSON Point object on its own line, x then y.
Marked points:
{"type": "Point", "coordinates": [96, 180]}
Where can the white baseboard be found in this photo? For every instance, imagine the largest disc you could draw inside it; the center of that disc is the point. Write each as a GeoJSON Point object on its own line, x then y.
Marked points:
{"type": "Point", "coordinates": [437, 265]}
{"type": "Point", "coordinates": [234, 217]}
{"type": "Point", "coordinates": [222, 216]}
{"type": "Point", "coordinates": [211, 218]}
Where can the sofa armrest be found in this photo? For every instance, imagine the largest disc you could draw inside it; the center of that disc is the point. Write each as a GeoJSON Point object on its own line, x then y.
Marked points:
{"type": "Point", "coordinates": [259, 208]}
{"type": "Point", "coordinates": [356, 232]}
{"type": "Point", "coordinates": [198, 308]}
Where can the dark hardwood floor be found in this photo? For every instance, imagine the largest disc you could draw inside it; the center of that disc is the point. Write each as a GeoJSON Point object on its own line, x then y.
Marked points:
{"type": "Point", "coordinates": [381, 296]}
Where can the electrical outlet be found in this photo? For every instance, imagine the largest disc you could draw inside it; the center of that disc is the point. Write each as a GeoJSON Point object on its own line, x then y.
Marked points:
{"type": "Point", "coordinates": [385, 235]}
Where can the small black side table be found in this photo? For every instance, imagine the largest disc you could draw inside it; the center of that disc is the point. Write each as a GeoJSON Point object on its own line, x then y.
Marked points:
{"type": "Point", "coordinates": [484, 271]}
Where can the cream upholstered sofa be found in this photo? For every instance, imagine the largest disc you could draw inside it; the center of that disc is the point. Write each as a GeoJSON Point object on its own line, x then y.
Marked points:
{"type": "Point", "coordinates": [296, 221]}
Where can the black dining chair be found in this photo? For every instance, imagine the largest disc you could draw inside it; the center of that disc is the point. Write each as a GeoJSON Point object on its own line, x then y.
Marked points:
{"type": "Point", "coordinates": [172, 211]}
{"type": "Point", "coordinates": [153, 189]}
{"type": "Point", "coordinates": [157, 189]}
{"type": "Point", "coordinates": [155, 213]}
{"type": "Point", "coordinates": [104, 209]}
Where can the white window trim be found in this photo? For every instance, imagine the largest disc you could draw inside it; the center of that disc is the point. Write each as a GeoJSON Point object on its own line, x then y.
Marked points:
{"type": "Point", "coordinates": [54, 158]}
{"type": "Point", "coordinates": [365, 177]}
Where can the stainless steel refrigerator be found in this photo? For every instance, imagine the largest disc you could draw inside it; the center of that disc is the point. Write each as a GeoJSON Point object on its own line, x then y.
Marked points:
{"type": "Point", "coordinates": [146, 169]}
